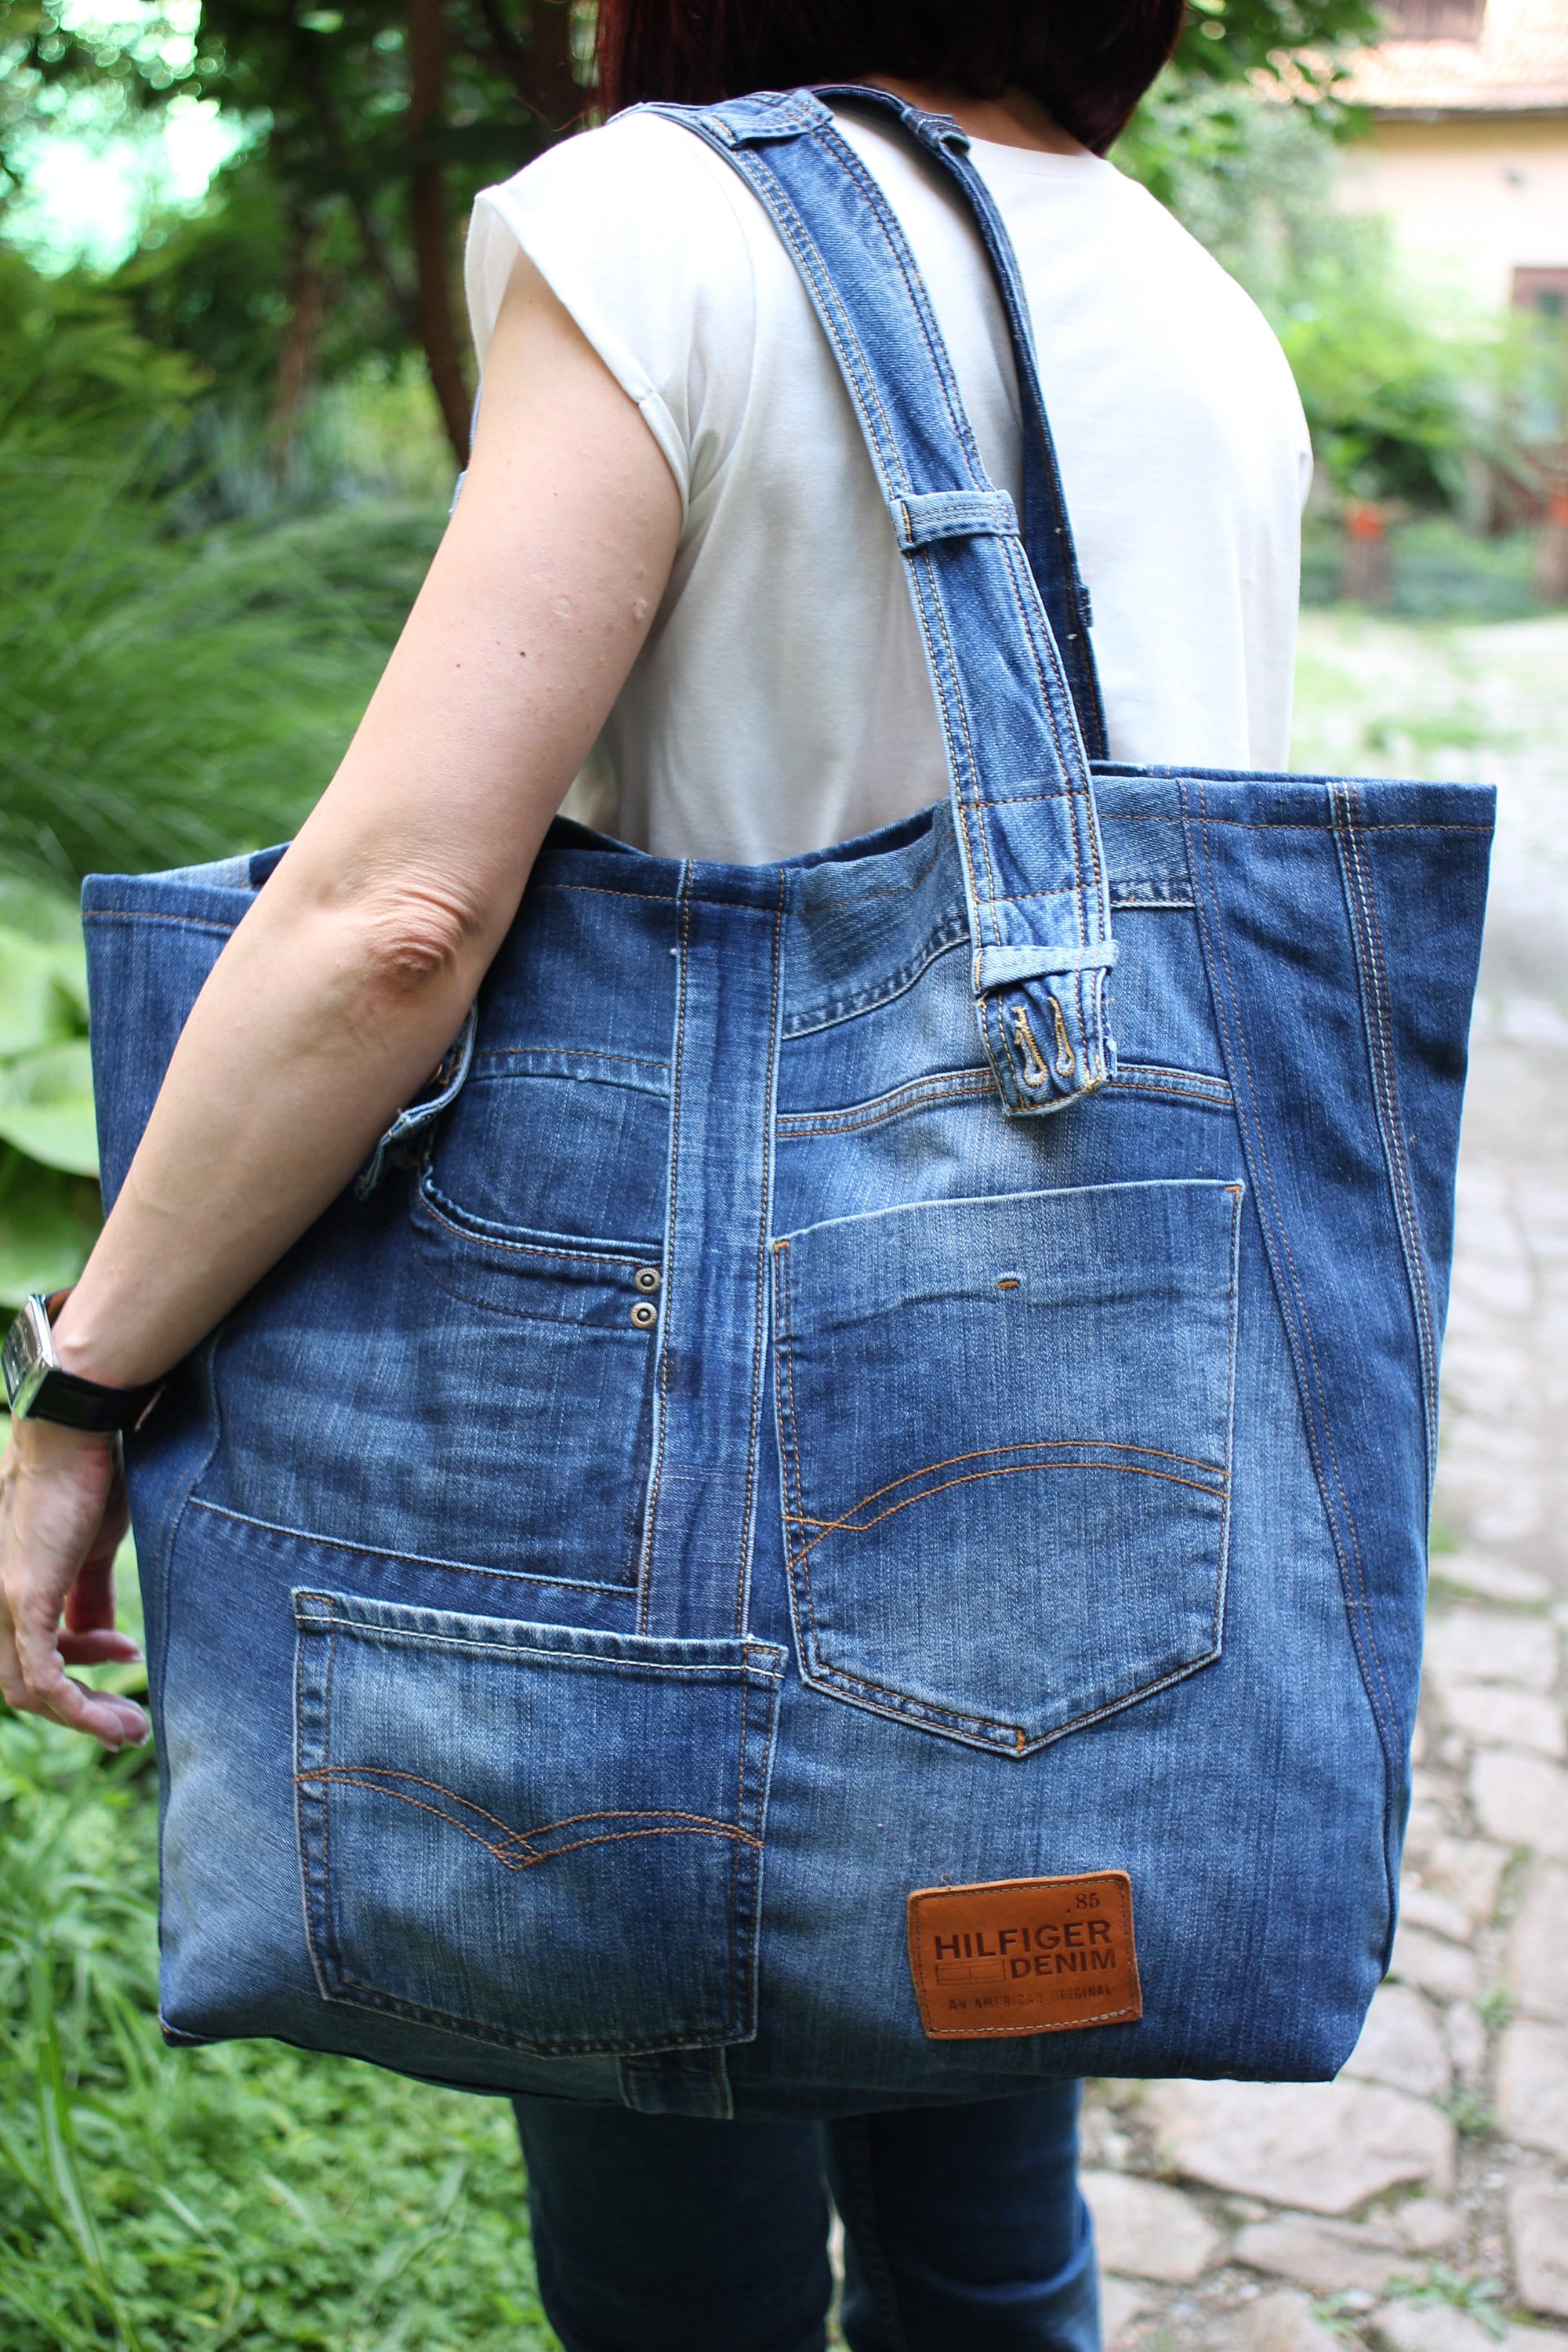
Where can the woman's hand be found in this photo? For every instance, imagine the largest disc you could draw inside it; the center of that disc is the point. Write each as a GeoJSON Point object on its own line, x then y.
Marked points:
{"type": "Point", "coordinates": [62, 1514]}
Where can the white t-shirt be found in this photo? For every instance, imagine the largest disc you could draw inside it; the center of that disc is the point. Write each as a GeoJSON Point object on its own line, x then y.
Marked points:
{"type": "Point", "coordinates": [780, 701]}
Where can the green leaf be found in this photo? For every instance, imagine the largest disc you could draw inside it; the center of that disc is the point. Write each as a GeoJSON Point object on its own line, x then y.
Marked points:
{"type": "Point", "coordinates": [34, 1008]}
{"type": "Point", "coordinates": [47, 916]}
{"type": "Point", "coordinates": [45, 1107]}
{"type": "Point", "coordinates": [48, 1222]}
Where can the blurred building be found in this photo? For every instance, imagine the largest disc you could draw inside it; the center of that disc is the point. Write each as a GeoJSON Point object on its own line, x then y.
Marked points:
{"type": "Point", "coordinates": [1468, 149]}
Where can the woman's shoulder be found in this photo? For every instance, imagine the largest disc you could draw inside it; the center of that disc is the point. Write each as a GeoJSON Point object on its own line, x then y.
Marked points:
{"type": "Point", "coordinates": [630, 182]}
{"type": "Point", "coordinates": [637, 229]}
{"type": "Point", "coordinates": [1169, 256]}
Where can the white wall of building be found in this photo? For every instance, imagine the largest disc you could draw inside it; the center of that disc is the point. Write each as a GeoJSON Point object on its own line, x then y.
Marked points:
{"type": "Point", "coordinates": [1471, 201]}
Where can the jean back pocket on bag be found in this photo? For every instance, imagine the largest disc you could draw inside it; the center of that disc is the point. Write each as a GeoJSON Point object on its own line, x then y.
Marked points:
{"type": "Point", "coordinates": [532, 1835]}
{"type": "Point", "coordinates": [1005, 1433]}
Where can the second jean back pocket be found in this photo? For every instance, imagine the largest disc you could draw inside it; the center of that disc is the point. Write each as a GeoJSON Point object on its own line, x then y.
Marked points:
{"type": "Point", "coordinates": [533, 1836]}
{"type": "Point", "coordinates": [1005, 1433]}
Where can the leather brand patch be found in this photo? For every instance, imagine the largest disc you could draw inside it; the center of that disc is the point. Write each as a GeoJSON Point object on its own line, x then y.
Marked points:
{"type": "Point", "coordinates": [1025, 1955]}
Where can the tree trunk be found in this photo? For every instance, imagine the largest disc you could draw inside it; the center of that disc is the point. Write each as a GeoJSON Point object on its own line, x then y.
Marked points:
{"type": "Point", "coordinates": [541, 68]}
{"type": "Point", "coordinates": [297, 361]}
{"type": "Point", "coordinates": [429, 224]}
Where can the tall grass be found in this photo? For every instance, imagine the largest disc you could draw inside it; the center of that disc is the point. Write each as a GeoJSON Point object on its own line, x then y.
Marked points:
{"type": "Point", "coordinates": [164, 699]}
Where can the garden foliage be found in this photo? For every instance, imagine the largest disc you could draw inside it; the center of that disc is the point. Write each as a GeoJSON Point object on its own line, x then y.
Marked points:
{"type": "Point", "coordinates": [165, 696]}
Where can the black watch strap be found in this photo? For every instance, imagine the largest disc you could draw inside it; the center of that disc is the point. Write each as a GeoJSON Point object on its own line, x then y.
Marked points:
{"type": "Point", "coordinates": [87, 1404]}
{"type": "Point", "coordinates": [39, 1389]}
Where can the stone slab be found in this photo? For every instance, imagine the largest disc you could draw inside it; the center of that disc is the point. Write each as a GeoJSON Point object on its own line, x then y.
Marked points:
{"type": "Point", "coordinates": [1122, 2303]}
{"type": "Point", "coordinates": [1400, 2045]}
{"type": "Point", "coordinates": [1466, 2037]}
{"type": "Point", "coordinates": [1489, 1578]}
{"type": "Point", "coordinates": [1522, 1800]}
{"type": "Point", "coordinates": [1144, 2230]}
{"type": "Point", "coordinates": [1427, 2224]}
{"type": "Point", "coordinates": [1325, 2256]}
{"type": "Point", "coordinates": [1469, 1869]}
{"type": "Point", "coordinates": [1322, 2147]}
{"type": "Point", "coordinates": [1537, 1946]}
{"type": "Point", "coordinates": [1532, 2086]}
{"type": "Point", "coordinates": [1280, 2322]}
{"type": "Point", "coordinates": [1484, 1645]}
{"type": "Point", "coordinates": [1499, 1718]}
{"type": "Point", "coordinates": [1423, 1906]}
{"type": "Point", "coordinates": [1538, 2240]}
{"type": "Point", "coordinates": [1428, 2327]}
{"type": "Point", "coordinates": [1446, 1970]}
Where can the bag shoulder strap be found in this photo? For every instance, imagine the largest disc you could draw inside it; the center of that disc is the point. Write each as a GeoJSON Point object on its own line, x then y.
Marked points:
{"type": "Point", "coordinates": [1018, 767]}
{"type": "Point", "coordinates": [1046, 530]}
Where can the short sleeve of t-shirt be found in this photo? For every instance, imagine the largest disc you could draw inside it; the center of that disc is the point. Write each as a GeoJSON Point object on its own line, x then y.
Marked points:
{"type": "Point", "coordinates": [781, 700]}
{"type": "Point", "coordinates": [635, 230]}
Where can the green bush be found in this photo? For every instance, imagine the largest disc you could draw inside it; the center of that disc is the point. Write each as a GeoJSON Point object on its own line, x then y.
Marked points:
{"type": "Point", "coordinates": [165, 700]}
{"type": "Point", "coordinates": [1440, 571]}
{"type": "Point", "coordinates": [164, 696]}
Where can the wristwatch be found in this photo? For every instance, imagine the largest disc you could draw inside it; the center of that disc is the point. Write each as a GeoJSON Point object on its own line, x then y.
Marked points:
{"type": "Point", "coordinates": [39, 1389]}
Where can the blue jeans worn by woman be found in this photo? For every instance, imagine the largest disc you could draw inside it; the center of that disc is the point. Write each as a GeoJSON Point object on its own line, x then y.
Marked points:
{"type": "Point", "coordinates": [962, 2226]}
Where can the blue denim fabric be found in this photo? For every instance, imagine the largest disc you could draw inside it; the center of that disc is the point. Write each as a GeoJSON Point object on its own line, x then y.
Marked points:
{"type": "Point", "coordinates": [742, 1462]}
{"type": "Point", "coordinates": [963, 2225]}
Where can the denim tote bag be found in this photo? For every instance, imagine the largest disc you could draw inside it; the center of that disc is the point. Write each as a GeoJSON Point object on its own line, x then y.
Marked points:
{"type": "Point", "coordinates": [838, 1518]}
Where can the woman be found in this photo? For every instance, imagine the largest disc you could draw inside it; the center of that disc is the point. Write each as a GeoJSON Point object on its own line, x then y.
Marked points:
{"type": "Point", "coordinates": [671, 563]}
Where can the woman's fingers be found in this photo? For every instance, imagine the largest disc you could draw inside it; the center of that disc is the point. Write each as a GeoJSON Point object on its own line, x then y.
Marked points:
{"type": "Point", "coordinates": [34, 1686]}
{"type": "Point", "coordinates": [98, 1646]}
{"type": "Point", "coordinates": [89, 1603]}
{"type": "Point", "coordinates": [58, 1501]}
{"type": "Point", "coordinates": [40, 1685]}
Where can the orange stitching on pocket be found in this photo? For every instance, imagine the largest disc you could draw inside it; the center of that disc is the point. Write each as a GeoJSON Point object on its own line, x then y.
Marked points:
{"type": "Point", "coordinates": [430, 1192]}
{"type": "Point", "coordinates": [1021, 1446]}
{"type": "Point", "coordinates": [520, 1841]}
{"type": "Point", "coordinates": [918, 1094]}
{"type": "Point", "coordinates": [1008, 1470]}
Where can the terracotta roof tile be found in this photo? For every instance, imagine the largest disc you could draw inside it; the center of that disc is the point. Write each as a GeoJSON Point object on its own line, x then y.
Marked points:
{"type": "Point", "coordinates": [1520, 65]}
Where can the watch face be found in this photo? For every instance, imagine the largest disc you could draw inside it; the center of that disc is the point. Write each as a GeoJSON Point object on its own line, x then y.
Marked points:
{"type": "Point", "coordinates": [27, 1355]}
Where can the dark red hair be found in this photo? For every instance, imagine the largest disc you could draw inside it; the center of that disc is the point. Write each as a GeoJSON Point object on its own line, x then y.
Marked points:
{"type": "Point", "coordinates": [1088, 61]}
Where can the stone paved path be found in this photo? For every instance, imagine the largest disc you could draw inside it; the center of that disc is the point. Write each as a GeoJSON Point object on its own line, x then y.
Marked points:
{"type": "Point", "coordinates": [1420, 2203]}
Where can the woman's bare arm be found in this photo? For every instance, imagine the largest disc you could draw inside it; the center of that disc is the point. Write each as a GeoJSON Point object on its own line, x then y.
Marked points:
{"type": "Point", "coordinates": [348, 979]}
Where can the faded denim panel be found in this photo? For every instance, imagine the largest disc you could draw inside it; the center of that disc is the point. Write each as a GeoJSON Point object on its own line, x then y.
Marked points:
{"type": "Point", "coordinates": [581, 1814]}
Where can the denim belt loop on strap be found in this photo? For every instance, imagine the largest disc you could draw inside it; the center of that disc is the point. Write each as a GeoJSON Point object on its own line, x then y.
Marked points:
{"type": "Point", "coordinates": [1018, 764]}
